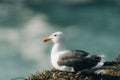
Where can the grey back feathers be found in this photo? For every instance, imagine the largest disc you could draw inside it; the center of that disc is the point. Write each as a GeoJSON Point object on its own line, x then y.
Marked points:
{"type": "Point", "coordinates": [78, 60]}
{"type": "Point", "coordinates": [74, 54]}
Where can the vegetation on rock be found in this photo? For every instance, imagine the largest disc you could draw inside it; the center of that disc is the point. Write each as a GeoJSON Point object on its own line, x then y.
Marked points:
{"type": "Point", "coordinates": [109, 74]}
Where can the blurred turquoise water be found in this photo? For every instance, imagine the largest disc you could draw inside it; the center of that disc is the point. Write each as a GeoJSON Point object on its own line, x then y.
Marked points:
{"type": "Point", "coordinates": [93, 28]}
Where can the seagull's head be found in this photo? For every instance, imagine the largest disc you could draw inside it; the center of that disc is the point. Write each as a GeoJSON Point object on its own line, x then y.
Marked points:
{"type": "Point", "coordinates": [56, 37]}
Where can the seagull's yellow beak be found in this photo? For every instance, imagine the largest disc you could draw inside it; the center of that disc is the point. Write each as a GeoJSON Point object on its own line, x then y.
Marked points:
{"type": "Point", "coordinates": [47, 39]}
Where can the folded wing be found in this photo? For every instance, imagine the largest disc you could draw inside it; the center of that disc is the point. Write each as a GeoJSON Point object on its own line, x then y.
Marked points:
{"type": "Point", "coordinates": [78, 59]}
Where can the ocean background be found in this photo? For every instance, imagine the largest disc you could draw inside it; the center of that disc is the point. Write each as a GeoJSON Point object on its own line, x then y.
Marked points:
{"type": "Point", "coordinates": [89, 25]}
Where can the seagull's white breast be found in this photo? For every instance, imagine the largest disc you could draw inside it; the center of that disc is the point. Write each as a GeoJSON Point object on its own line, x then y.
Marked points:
{"type": "Point", "coordinates": [55, 58]}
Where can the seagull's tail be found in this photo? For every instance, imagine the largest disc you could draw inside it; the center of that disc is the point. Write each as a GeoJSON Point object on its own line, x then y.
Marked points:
{"type": "Point", "coordinates": [111, 63]}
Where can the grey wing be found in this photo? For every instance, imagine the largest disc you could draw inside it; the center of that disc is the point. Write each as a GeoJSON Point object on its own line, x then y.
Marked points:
{"type": "Point", "coordinates": [73, 54]}
{"type": "Point", "coordinates": [69, 62]}
{"type": "Point", "coordinates": [79, 64]}
{"type": "Point", "coordinates": [72, 57]}
{"type": "Point", "coordinates": [78, 59]}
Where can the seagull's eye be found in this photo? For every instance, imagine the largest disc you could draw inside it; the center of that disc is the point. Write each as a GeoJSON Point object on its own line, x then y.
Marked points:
{"type": "Point", "coordinates": [55, 35]}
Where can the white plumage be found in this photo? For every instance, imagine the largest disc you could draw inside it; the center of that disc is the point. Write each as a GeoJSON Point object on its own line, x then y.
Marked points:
{"type": "Point", "coordinates": [70, 60]}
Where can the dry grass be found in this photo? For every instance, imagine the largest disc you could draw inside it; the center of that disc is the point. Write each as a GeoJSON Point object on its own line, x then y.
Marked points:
{"type": "Point", "coordinates": [114, 72]}
{"type": "Point", "coordinates": [54, 74]}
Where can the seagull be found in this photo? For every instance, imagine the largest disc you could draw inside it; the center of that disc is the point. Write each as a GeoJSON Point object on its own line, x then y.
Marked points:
{"type": "Point", "coordinates": [72, 60]}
